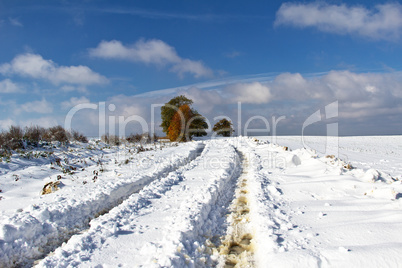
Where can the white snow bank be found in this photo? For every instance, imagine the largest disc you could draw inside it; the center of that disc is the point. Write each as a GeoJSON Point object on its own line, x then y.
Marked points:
{"type": "Point", "coordinates": [373, 175]}
{"type": "Point", "coordinates": [30, 233]}
{"type": "Point", "coordinates": [166, 224]}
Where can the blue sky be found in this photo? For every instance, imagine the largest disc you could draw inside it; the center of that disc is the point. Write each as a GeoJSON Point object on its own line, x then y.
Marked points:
{"type": "Point", "coordinates": [281, 58]}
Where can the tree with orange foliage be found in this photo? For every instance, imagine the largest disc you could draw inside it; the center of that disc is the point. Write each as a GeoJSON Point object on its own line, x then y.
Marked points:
{"type": "Point", "coordinates": [178, 129]}
{"type": "Point", "coordinates": [187, 123]}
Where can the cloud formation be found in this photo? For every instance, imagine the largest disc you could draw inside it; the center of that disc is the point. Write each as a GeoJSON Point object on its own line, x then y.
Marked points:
{"type": "Point", "coordinates": [254, 92]}
{"type": "Point", "coordinates": [369, 103]}
{"type": "Point", "coordinates": [154, 52]}
{"type": "Point", "coordinates": [34, 66]}
{"type": "Point", "coordinates": [41, 107]}
{"type": "Point", "coordinates": [74, 101]}
{"type": "Point", "coordinates": [15, 22]}
{"type": "Point", "coordinates": [7, 86]}
{"type": "Point", "coordinates": [382, 22]}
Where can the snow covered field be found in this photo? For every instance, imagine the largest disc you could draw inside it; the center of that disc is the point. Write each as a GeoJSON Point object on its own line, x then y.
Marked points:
{"type": "Point", "coordinates": [228, 202]}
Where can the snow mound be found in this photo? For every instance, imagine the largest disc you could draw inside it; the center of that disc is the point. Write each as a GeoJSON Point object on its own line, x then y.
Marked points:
{"type": "Point", "coordinates": [373, 175]}
{"type": "Point", "coordinates": [384, 193]}
{"type": "Point", "coordinates": [293, 160]}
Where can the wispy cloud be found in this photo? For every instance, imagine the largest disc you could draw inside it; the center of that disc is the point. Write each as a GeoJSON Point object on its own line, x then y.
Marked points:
{"type": "Point", "coordinates": [71, 88]}
{"type": "Point", "coordinates": [34, 66]}
{"type": "Point", "coordinates": [15, 22]}
{"type": "Point", "coordinates": [8, 86]}
{"type": "Point", "coordinates": [154, 52]}
{"type": "Point", "coordinates": [41, 107]}
{"type": "Point", "coordinates": [155, 14]}
{"type": "Point", "coordinates": [383, 22]}
{"type": "Point", "coordinates": [73, 102]}
{"type": "Point", "coordinates": [365, 99]}
{"type": "Point", "coordinates": [233, 54]}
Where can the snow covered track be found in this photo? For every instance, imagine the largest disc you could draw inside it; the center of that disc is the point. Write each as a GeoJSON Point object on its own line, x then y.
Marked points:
{"type": "Point", "coordinates": [30, 234]}
{"type": "Point", "coordinates": [240, 202]}
{"type": "Point", "coordinates": [171, 222]}
{"type": "Point", "coordinates": [310, 211]}
{"type": "Point", "coordinates": [238, 246]}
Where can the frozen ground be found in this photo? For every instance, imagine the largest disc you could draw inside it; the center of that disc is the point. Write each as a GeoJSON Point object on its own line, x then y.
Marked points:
{"type": "Point", "coordinates": [379, 152]}
{"type": "Point", "coordinates": [230, 202]}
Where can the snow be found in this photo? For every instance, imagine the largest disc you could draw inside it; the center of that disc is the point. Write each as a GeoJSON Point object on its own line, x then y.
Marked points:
{"type": "Point", "coordinates": [378, 152]}
{"type": "Point", "coordinates": [220, 202]}
{"type": "Point", "coordinates": [50, 219]}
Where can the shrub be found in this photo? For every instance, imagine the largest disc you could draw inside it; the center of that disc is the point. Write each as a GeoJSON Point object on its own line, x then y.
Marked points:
{"type": "Point", "coordinates": [13, 138]}
{"type": "Point", "coordinates": [78, 136]}
{"type": "Point", "coordinates": [145, 138]}
{"type": "Point", "coordinates": [47, 136]}
{"type": "Point", "coordinates": [114, 140]}
{"type": "Point", "coordinates": [140, 138]}
{"type": "Point", "coordinates": [2, 139]}
{"type": "Point", "coordinates": [15, 132]}
{"type": "Point", "coordinates": [133, 138]}
{"type": "Point", "coordinates": [105, 138]}
{"type": "Point", "coordinates": [34, 134]}
{"type": "Point", "coordinates": [58, 133]}
{"type": "Point", "coordinates": [111, 139]}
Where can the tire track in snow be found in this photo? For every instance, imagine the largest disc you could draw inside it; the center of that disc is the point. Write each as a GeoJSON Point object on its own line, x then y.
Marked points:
{"type": "Point", "coordinates": [123, 216]}
{"type": "Point", "coordinates": [166, 223]}
{"type": "Point", "coordinates": [237, 248]}
{"type": "Point", "coordinates": [59, 232]}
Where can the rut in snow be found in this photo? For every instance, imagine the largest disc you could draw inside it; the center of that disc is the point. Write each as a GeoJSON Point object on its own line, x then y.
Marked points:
{"type": "Point", "coordinates": [48, 251]}
{"type": "Point", "coordinates": [238, 245]}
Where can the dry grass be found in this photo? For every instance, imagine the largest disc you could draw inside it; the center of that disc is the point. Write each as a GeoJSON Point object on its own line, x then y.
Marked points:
{"type": "Point", "coordinates": [18, 138]}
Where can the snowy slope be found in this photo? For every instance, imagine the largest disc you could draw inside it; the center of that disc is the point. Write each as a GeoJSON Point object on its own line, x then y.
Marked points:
{"type": "Point", "coordinates": [231, 202]}
{"type": "Point", "coordinates": [32, 231]}
{"type": "Point", "coordinates": [383, 153]}
{"type": "Point", "coordinates": [312, 212]}
{"type": "Point", "coordinates": [167, 223]}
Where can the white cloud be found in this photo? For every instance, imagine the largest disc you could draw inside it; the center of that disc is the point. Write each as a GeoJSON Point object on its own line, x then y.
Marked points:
{"type": "Point", "coordinates": [7, 86]}
{"type": "Point", "coordinates": [288, 85]}
{"type": "Point", "coordinates": [74, 101]}
{"type": "Point", "coordinates": [254, 92]}
{"type": "Point", "coordinates": [70, 88]}
{"type": "Point", "coordinates": [382, 22]}
{"type": "Point", "coordinates": [154, 52]}
{"type": "Point", "coordinates": [196, 68]}
{"type": "Point", "coordinates": [232, 55]}
{"type": "Point", "coordinates": [34, 66]}
{"type": "Point", "coordinates": [6, 124]}
{"type": "Point", "coordinates": [15, 22]}
{"type": "Point", "coordinates": [369, 103]}
{"type": "Point", "coordinates": [45, 121]}
{"type": "Point", "coordinates": [42, 107]}
{"type": "Point", "coordinates": [205, 100]}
